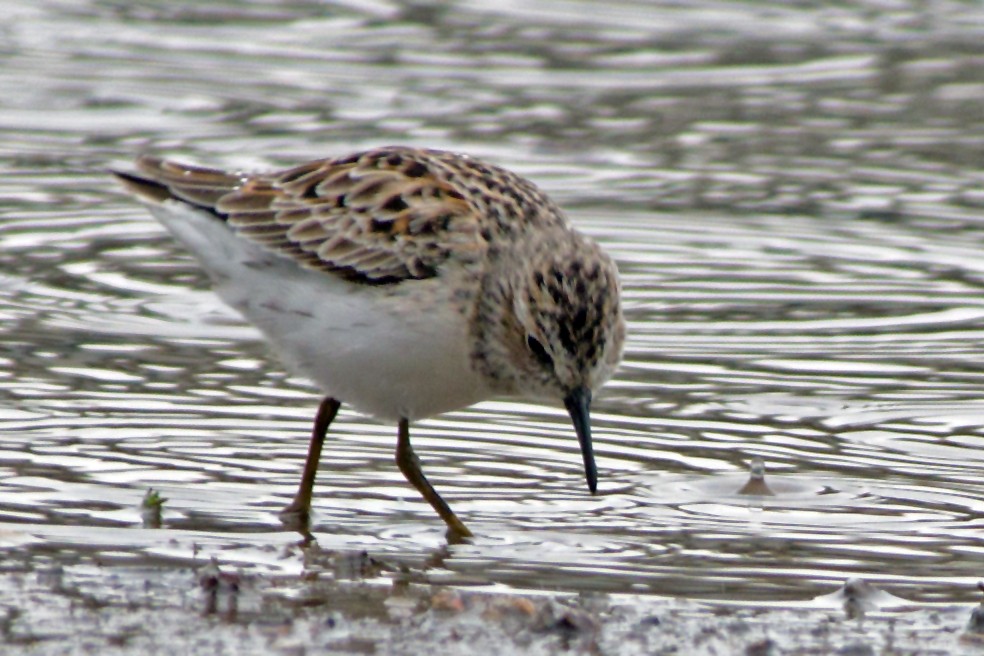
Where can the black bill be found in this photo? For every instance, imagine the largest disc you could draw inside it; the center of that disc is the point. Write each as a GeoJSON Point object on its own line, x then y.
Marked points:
{"type": "Point", "coordinates": [578, 404]}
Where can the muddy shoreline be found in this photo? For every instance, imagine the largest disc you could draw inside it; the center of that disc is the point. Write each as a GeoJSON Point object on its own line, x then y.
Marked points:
{"type": "Point", "coordinates": [56, 601]}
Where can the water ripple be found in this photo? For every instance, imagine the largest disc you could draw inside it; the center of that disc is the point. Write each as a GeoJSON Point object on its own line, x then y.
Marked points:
{"type": "Point", "coordinates": [793, 202]}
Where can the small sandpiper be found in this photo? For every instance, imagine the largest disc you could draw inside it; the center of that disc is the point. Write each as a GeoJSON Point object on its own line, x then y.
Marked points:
{"type": "Point", "coordinates": [405, 282]}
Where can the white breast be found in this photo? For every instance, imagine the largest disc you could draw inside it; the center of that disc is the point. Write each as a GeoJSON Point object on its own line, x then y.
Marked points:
{"type": "Point", "coordinates": [393, 351]}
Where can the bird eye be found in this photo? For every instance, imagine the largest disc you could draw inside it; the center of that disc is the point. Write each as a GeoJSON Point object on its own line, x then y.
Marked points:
{"type": "Point", "coordinates": [538, 351]}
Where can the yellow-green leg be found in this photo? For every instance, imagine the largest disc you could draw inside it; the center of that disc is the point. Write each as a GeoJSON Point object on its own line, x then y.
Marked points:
{"type": "Point", "coordinates": [299, 509]}
{"type": "Point", "coordinates": [409, 464]}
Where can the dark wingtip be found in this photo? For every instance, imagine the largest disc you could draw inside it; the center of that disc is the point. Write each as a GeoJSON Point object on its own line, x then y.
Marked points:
{"type": "Point", "coordinates": [142, 187]}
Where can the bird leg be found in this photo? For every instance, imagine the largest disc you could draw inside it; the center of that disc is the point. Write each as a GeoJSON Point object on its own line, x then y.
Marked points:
{"type": "Point", "coordinates": [409, 464]}
{"type": "Point", "coordinates": [299, 509]}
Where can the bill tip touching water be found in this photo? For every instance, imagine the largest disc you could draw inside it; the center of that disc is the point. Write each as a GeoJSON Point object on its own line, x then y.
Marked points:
{"type": "Point", "coordinates": [404, 282]}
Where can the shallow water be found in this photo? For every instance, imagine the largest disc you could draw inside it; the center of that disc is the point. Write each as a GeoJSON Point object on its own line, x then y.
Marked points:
{"type": "Point", "coordinates": [793, 196]}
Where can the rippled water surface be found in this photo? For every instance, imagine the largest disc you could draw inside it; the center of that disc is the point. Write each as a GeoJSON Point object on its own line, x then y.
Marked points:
{"type": "Point", "coordinates": [794, 198]}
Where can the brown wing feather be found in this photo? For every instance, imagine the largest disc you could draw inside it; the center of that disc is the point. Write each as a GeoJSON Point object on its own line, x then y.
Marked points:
{"type": "Point", "coordinates": [381, 216]}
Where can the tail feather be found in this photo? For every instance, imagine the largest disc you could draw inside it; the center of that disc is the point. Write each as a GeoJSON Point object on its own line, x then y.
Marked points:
{"type": "Point", "coordinates": [157, 181]}
{"type": "Point", "coordinates": [143, 188]}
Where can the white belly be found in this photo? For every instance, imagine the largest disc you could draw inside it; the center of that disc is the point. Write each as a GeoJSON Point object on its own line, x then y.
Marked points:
{"type": "Point", "coordinates": [398, 351]}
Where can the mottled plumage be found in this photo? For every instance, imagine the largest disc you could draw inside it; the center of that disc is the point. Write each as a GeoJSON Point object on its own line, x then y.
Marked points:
{"type": "Point", "coordinates": [406, 282]}
{"type": "Point", "coordinates": [381, 216]}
